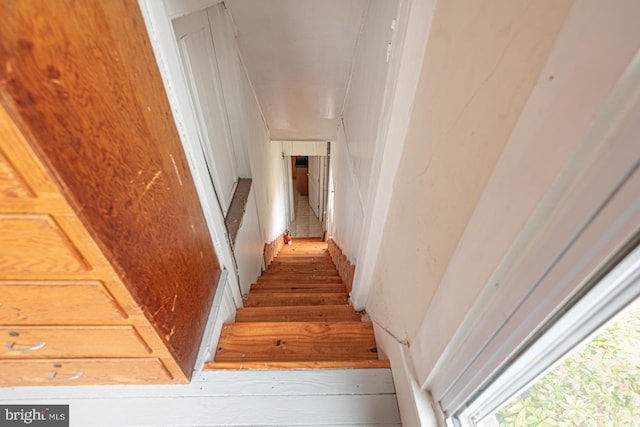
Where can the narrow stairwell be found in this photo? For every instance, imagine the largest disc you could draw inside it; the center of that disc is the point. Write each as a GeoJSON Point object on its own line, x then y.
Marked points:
{"type": "Point", "coordinates": [298, 315]}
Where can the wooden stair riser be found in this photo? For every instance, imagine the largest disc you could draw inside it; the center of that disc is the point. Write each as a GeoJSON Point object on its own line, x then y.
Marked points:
{"type": "Point", "coordinates": [300, 280]}
{"type": "Point", "coordinates": [296, 341]}
{"type": "Point", "coordinates": [316, 289]}
{"type": "Point", "coordinates": [305, 268]}
{"type": "Point", "coordinates": [303, 252]}
{"type": "Point", "coordinates": [275, 299]}
{"type": "Point", "coordinates": [287, 285]}
{"type": "Point", "coordinates": [297, 260]}
{"type": "Point", "coordinates": [305, 313]}
{"type": "Point", "coordinates": [345, 364]}
{"type": "Point", "coordinates": [297, 273]}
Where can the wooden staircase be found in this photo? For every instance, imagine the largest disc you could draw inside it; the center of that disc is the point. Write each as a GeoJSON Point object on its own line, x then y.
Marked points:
{"type": "Point", "coordinates": [298, 315]}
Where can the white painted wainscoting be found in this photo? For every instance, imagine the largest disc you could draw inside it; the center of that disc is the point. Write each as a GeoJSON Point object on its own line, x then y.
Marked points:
{"type": "Point", "coordinates": [330, 397]}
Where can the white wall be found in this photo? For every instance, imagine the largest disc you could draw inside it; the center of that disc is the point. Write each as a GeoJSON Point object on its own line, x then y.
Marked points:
{"type": "Point", "coordinates": [346, 210]}
{"type": "Point", "coordinates": [358, 139]}
{"type": "Point", "coordinates": [251, 136]}
{"type": "Point", "coordinates": [480, 65]}
{"type": "Point", "coordinates": [249, 246]}
{"type": "Point", "coordinates": [550, 130]}
{"type": "Point", "coordinates": [231, 70]}
{"type": "Point", "coordinates": [363, 103]}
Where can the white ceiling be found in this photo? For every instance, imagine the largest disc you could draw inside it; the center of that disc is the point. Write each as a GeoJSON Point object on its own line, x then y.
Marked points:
{"type": "Point", "coordinates": [298, 55]}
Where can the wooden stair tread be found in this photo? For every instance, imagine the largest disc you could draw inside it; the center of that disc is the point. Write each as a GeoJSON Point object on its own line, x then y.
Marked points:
{"type": "Point", "coordinates": [286, 285]}
{"type": "Point", "coordinates": [272, 299]}
{"type": "Point", "coordinates": [314, 313]}
{"type": "Point", "coordinates": [351, 364]}
{"type": "Point", "coordinates": [301, 273]}
{"type": "Point", "coordinates": [302, 260]}
{"type": "Point", "coordinates": [305, 289]}
{"type": "Point", "coordinates": [302, 268]}
{"type": "Point", "coordinates": [303, 251]}
{"type": "Point", "coordinates": [296, 341]}
{"type": "Point", "coordinates": [300, 279]}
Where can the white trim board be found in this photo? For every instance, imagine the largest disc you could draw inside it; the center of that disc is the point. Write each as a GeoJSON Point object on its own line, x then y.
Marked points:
{"type": "Point", "coordinates": [223, 310]}
{"type": "Point", "coordinates": [178, 8]}
{"type": "Point", "coordinates": [230, 411]}
{"type": "Point", "coordinates": [212, 329]}
{"type": "Point", "coordinates": [212, 383]}
{"type": "Point", "coordinates": [217, 398]}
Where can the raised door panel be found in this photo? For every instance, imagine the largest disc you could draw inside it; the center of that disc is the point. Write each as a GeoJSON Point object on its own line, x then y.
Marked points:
{"type": "Point", "coordinates": [36, 244]}
{"type": "Point", "coordinates": [50, 372]}
{"type": "Point", "coordinates": [23, 303]}
{"type": "Point", "coordinates": [21, 172]}
{"type": "Point", "coordinates": [26, 342]}
{"type": "Point", "coordinates": [199, 62]}
{"type": "Point", "coordinates": [302, 181]}
{"type": "Point", "coordinates": [12, 185]}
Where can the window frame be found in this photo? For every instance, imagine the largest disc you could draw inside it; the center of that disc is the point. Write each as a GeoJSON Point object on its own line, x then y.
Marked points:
{"type": "Point", "coordinates": [579, 320]}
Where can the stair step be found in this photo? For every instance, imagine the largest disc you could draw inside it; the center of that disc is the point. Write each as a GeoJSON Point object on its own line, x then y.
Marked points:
{"type": "Point", "coordinates": [300, 274]}
{"type": "Point", "coordinates": [304, 268]}
{"type": "Point", "coordinates": [288, 285]}
{"type": "Point", "coordinates": [349, 364]}
{"type": "Point", "coordinates": [299, 279]}
{"type": "Point", "coordinates": [296, 342]}
{"type": "Point", "coordinates": [294, 260]}
{"type": "Point", "coordinates": [302, 251]}
{"type": "Point", "coordinates": [305, 313]}
{"type": "Point", "coordinates": [262, 289]}
{"type": "Point", "coordinates": [273, 299]}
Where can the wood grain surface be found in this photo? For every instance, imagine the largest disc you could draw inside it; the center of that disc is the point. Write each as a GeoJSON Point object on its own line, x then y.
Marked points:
{"type": "Point", "coordinates": [58, 303]}
{"type": "Point", "coordinates": [303, 313]}
{"type": "Point", "coordinates": [64, 372]}
{"type": "Point", "coordinates": [296, 342]}
{"type": "Point", "coordinates": [81, 82]}
{"type": "Point", "coordinates": [274, 299]}
{"type": "Point", "coordinates": [12, 185]}
{"type": "Point", "coordinates": [35, 244]}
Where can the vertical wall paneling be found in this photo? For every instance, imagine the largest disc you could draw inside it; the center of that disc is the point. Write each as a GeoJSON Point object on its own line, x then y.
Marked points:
{"type": "Point", "coordinates": [201, 70]}
{"type": "Point", "coordinates": [230, 69]}
{"type": "Point", "coordinates": [347, 210]}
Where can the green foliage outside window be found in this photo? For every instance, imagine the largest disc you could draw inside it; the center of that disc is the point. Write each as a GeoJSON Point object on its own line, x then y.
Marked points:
{"type": "Point", "coordinates": [599, 385]}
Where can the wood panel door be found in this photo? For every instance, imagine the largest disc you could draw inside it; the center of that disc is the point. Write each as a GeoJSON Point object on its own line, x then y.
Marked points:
{"type": "Point", "coordinates": [302, 181]}
{"type": "Point", "coordinates": [314, 184]}
{"type": "Point", "coordinates": [97, 198]}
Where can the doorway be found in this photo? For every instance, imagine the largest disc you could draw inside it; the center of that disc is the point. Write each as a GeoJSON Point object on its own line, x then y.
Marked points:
{"type": "Point", "coordinates": [308, 182]}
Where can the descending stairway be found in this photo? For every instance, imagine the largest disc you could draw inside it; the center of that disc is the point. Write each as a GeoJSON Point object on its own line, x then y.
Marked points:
{"type": "Point", "coordinates": [297, 315]}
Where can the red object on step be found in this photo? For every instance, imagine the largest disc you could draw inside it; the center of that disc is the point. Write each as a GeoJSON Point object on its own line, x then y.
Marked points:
{"type": "Point", "coordinates": [287, 239]}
